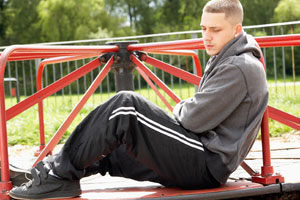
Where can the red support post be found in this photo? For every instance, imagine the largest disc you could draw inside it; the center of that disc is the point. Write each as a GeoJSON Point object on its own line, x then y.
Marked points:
{"type": "Point", "coordinates": [267, 169]}
{"type": "Point", "coordinates": [51, 89]}
{"type": "Point", "coordinates": [39, 87]}
{"type": "Point", "coordinates": [147, 79]}
{"type": "Point", "coordinates": [267, 175]}
{"type": "Point", "coordinates": [5, 184]}
{"type": "Point", "coordinates": [60, 132]}
{"type": "Point", "coordinates": [182, 53]}
{"type": "Point", "coordinates": [267, 172]}
{"type": "Point", "coordinates": [155, 78]}
{"type": "Point", "coordinates": [187, 76]}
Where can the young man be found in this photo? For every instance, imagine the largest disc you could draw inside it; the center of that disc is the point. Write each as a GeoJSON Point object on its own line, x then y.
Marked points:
{"type": "Point", "coordinates": [209, 136]}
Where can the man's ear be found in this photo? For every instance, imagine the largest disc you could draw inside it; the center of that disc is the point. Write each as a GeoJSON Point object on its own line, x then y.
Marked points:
{"type": "Point", "coordinates": [238, 30]}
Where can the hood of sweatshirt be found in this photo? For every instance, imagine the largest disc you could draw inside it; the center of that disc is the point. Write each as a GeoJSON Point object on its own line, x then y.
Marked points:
{"type": "Point", "coordinates": [239, 45]}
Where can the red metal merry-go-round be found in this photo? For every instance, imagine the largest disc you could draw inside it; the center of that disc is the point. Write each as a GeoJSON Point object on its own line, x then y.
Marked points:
{"type": "Point", "coordinates": [124, 57]}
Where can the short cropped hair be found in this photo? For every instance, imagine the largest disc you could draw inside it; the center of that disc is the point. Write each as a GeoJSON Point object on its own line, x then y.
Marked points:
{"type": "Point", "coordinates": [232, 8]}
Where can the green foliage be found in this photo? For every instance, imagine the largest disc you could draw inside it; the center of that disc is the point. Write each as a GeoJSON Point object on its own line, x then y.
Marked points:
{"type": "Point", "coordinates": [71, 19]}
{"type": "Point", "coordinates": [287, 10]}
{"type": "Point", "coordinates": [141, 14]}
{"type": "Point", "coordinates": [34, 21]}
{"type": "Point", "coordinates": [20, 22]}
{"type": "Point", "coordinates": [181, 14]}
{"type": "Point", "coordinates": [258, 12]}
{"type": "Point", "coordinates": [2, 20]}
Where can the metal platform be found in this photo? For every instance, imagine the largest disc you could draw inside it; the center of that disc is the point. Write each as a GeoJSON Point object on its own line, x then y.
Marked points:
{"type": "Point", "coordinates": [157, 192]}
{"type": "Point", "coordinates": [286, 159]}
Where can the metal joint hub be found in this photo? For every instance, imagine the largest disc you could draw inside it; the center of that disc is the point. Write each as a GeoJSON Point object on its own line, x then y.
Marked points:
{"type": "Point", "coordinates": [122, 66]}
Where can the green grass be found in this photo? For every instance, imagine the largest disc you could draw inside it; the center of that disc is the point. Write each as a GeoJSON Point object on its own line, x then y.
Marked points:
{"type": "Point", "coordinates": [24, 128]}
{"type": "Point", "coordinates": [287, 99]}
{"type": "Point", "coordinates": [288, 79]}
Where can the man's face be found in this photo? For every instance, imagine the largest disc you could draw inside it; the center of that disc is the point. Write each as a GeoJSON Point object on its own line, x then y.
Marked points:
{"type": "Point", "coordinates": [217, 32]}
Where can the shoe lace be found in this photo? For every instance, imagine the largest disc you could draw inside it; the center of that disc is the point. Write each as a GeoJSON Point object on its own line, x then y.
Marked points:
{"type": "Point", "coordinates": [27, 182]}
{"type": "Point", "coordinates": [39, 173]}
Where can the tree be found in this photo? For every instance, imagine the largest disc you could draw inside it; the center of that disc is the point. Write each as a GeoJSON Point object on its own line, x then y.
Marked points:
{"type": "Point", "coordinates": [70, 19]}
{"type": "Point", "coordinates": [2, 22]}
{"type": "Point", "coordinates": [181, 15]}
{"type": "Point", "coordinates": [140, 14]}
{"type": "Point", "coordinates": [21, 17]}
{"type": "Point", "coordinates": [287, 10]}
{"type": "Point", "coordinates": [258, 12]}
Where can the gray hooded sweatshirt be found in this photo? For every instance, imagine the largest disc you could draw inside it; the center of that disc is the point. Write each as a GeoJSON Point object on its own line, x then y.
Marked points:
{"type": "Point", "coordinates": [227, 109]}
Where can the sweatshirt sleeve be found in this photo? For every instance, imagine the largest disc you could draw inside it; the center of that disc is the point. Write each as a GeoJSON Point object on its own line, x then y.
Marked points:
{"type": "Point", "coordinates": [218, 97]}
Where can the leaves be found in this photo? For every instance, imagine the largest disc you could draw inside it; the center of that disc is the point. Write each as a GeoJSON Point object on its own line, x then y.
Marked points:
{"type": "Point", "coordinates": [34, 21]}
{"type": "Point", "coordinates": [287, 10]}
{"type": "Point", "coordinates": [258, 12]}
{"type": "Point", "coordinates": [69, 19]}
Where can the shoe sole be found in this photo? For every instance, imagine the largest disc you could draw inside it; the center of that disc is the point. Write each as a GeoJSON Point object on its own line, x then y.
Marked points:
{"type": "Point", "coordinates": [53, 195]}
{"type": "Point", "coordinates": [17, 169]}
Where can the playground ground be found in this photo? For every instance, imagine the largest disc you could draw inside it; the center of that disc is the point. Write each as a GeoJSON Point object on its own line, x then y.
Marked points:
{"type": "Point", "coordinates": [285, 152]}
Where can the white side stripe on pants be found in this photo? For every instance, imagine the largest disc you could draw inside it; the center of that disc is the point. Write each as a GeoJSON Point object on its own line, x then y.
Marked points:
{"type": "Point", "coordinates": [157, 127]}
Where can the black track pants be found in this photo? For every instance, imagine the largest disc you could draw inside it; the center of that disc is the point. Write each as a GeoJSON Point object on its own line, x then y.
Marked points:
{"type": "Point", "coordinates": [129, 136]}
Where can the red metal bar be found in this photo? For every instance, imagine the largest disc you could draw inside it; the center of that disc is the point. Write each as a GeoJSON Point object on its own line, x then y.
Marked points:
{"type": "Point", "coordinates": [39, 87]}
{"type": "Point", "coordinates": [248, 169]}
{"type": "Point", "coordinates": [143, 74]}
{"type": "Point", "coordinates": [5, 184]}
{"type": "Point", "coordinates": [265, 135]}
{"type": "Point", "coordinates": [182, 53]}
{"type": "Point", "coordinates": [280, 43]}
{"type": "Point", "coordinates": [60, 132]}
{"type": "Point", "coordinates": [51, 89]}
{"type": "Point", "coordinates": [179, 45]}
{"type": "Point", "coordinates": [64, 49]}
{"type": "Point", "coordinates": [267, 169]}
{"type": "Point", "coordinates": [25, 52]}
{"type": "Point", "coordinates": [187, 76]}
{"type": "Point", "coordinates": [155, 78]}
{"type": "Point", "coordinates": [29, 56]}
{"type": "Point", "coordinates": [277, 38]}
{"type": "Point", "coordinates": [265, 41]}
{"type": "Point", "coordinates": [284, 118]}
{"type": "Point", "coordinates": [267, 172]}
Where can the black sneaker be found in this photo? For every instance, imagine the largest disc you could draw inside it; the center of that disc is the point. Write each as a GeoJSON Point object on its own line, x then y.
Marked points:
{"type": "Point", "coordinates": [45, 186]}
{"type": "Point", "coordinates": [18, 175]}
